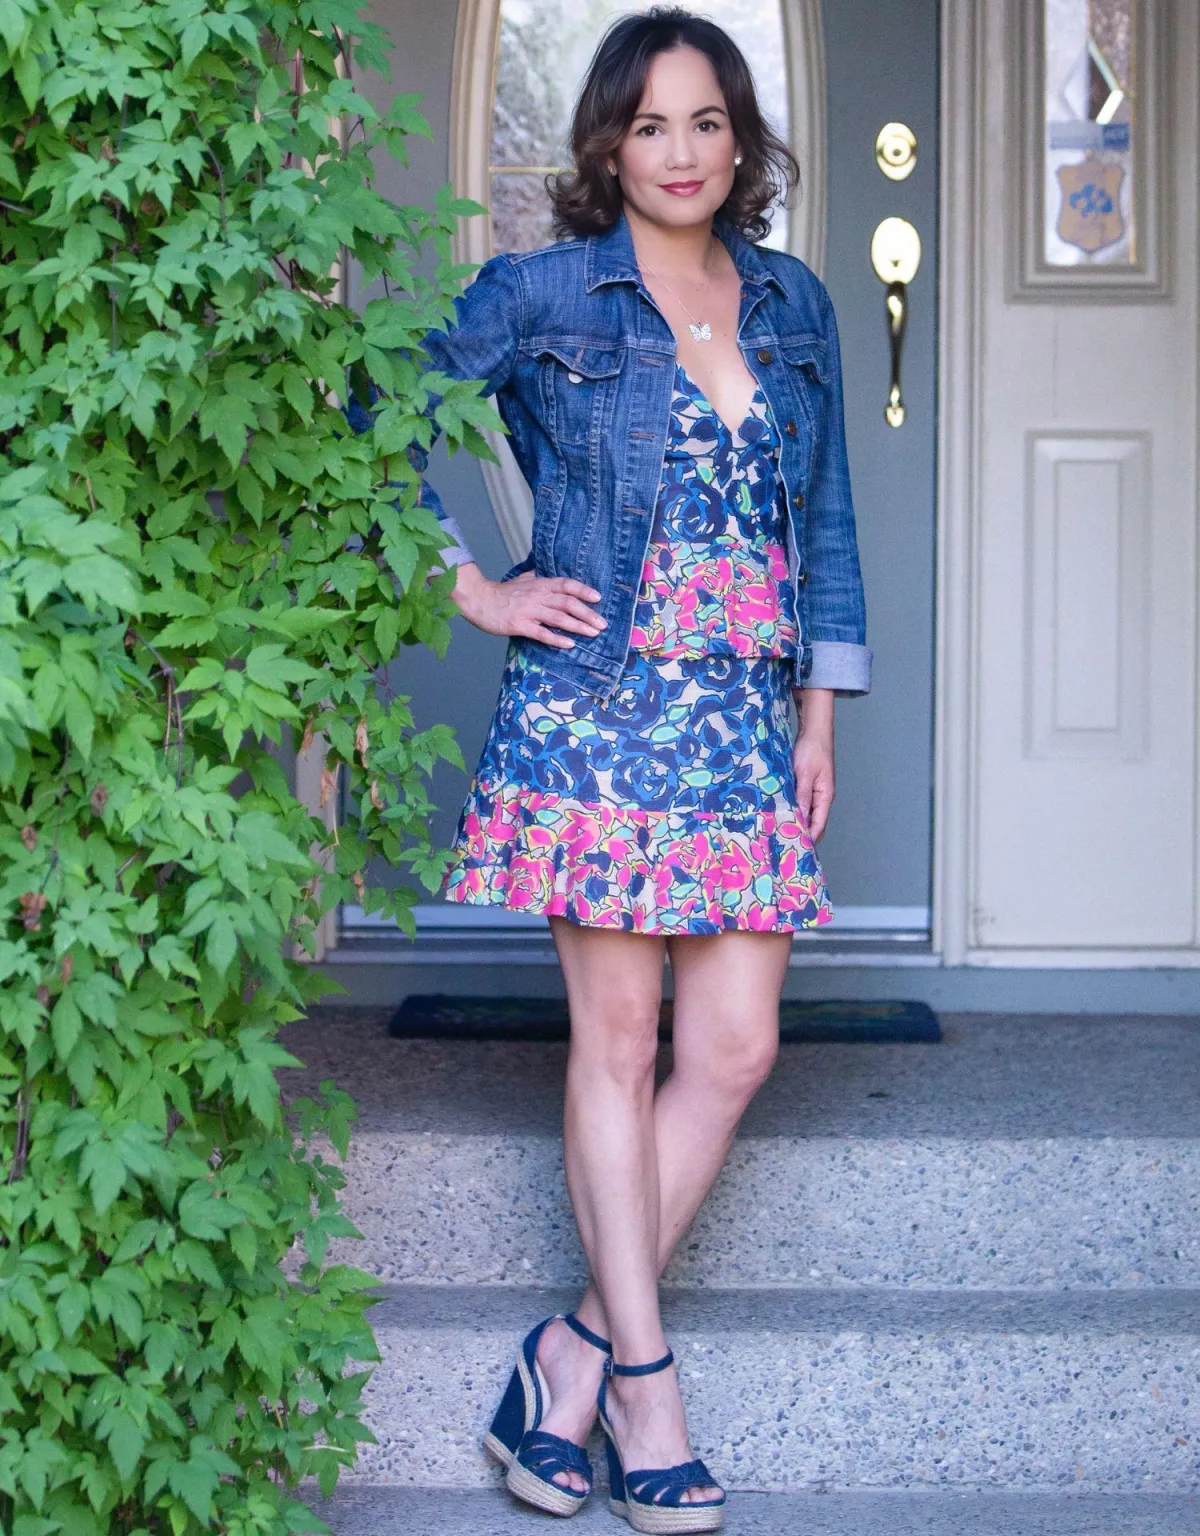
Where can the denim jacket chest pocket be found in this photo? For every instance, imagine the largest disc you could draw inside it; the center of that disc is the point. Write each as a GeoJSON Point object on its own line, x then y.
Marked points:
{"type": "Point", "coordinates": [808, 377]}
{"type": "Point", "coordinates": [578, 390]}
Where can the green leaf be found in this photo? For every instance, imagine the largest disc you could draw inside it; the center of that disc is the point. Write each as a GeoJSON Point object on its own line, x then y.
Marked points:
{"type": "Point", "coordinates": [250, 494]}
{"type": "Point", "coordinates": [222, 943]}
{"type": "Point", "coordinates": [230, 420]}
{"type": "Point", "coordinates": [387, 633]}
{"type": "Point", "coordinates": [242, 139]}
{"type": "Point", "coordinates": [80, 720]}
{"type": "Point", "coordinates": [27, 70]}
{"type": "Point", "coordinates": [126, 1439]}
{"type": "Point", "coordinates": [14, 25]}
{"type": "Point", "coordinates": [202, 1215]}
{"type": "Point", "coordinates": [66, 1023]}
{"type": "Point", "coordinates": [402, 554]}
{"type": "Point", "coordinates": [71, 1308]}
{"type": "Point", "coordinates": [270, 666]}
{"type": "Point", "coordinates": [102, 1167]}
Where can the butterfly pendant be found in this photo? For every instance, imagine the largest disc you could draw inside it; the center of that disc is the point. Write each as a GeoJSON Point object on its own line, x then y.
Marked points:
{"type": "Point", "coordinates": [701, 332]}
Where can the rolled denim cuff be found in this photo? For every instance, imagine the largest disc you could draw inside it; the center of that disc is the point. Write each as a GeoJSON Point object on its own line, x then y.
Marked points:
{"type": "Point", "coordinates": [458, 552]}
{"type": "Point", "coordinates": [839, 665]}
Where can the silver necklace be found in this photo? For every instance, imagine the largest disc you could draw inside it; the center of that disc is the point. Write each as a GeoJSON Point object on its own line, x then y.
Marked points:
{"type": "Point", "coordinates": [701, 330]}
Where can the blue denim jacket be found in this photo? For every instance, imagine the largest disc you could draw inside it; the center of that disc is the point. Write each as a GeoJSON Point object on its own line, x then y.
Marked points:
{"type": "Point", "coordinates": [581, 361]}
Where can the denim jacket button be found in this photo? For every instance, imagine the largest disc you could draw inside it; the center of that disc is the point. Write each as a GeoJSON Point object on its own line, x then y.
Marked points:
{"type": "Point", "coordinates": [575, 378]}
{"type": "Point", "coordinates": [791, 429]}
{"type": "Point", "coordinates": [798, 501]}
{"type": "Point", "coordinates": [765, 355]}
{"type": "Point", "coordinates": [803, 577]}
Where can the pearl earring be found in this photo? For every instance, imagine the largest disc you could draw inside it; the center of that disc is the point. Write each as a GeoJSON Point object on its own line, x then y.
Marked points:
{"type": "Point", "coordinates": [737, 159]}
{"type": "Point", "coordinates": [612, 170]}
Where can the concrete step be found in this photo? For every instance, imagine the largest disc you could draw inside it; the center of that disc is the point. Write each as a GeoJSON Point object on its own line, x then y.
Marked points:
{"type": "Point", "coordinates": [382, 1511]}
{"type": "Point", "coordinates": [814, 1390]}
{"type": "Point", "coordinates": [1042, 1153]}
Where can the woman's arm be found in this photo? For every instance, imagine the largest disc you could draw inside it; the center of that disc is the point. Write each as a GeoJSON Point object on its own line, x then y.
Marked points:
{"type": "Point", "coordinates": [812, 756]}
{"type": "Point", "coordinates": [537, 606]}
{"type": "Point", "coordinates": [484, 344]}
{"type": "Point", "coordinates": [835, 614]}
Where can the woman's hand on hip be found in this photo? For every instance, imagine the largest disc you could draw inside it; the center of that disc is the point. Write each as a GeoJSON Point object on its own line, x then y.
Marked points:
{"type": "Point", "coordinates": [536, 606]}
{"type": "Point", "coordinates": [812, 757]}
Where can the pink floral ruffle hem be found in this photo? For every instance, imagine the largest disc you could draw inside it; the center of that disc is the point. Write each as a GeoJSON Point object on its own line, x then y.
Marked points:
{"type": "Point", "coordinates": [642, 871]}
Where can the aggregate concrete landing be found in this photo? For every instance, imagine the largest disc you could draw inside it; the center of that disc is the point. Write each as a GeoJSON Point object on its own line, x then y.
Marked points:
{"type": "Point", "coordinates": [992, 1075]}
{"type": "Point", "coordinates": [851, 1309]}
{"type": "Point", "coordinates": [798, 1210]}
{"type": "Point", "coordinates": [790, 1390]}
{"type": "Point", "coordinates": [1017, 1152]}
{"type": "Point", "coordinates": [454, 1512]}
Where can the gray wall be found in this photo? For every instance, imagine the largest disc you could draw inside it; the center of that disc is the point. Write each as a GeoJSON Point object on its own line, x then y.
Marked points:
{"type": "Point", "coordinates": [463, 688]}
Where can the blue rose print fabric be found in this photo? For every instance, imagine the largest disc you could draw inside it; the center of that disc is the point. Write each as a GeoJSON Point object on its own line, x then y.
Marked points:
{"type": "Point", "coordinates": [671, 807]}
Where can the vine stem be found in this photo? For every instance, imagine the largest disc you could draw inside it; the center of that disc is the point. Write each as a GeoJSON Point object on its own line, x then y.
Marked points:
{"type": "Point", "coordinates": [174, 711]}
{"type": "Point", "coordinates": [21, 1149]}
{"type": "Point", "coordinates": [220, 173]}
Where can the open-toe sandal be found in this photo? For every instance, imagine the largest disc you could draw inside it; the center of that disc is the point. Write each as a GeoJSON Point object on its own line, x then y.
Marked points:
{"type": "Point", "coordinates": [533, 1457]}
{"type": "Point", "coordinates": [652, 1499]}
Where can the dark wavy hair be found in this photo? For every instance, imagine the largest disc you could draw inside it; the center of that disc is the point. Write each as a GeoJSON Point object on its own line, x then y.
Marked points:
{"type": "Point", "coordinates": [587, 198]}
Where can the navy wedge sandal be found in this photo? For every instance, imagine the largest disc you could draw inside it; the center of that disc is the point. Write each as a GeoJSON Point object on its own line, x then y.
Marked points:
{"type": "Point", "coordinates": [652, 1500]}
{"type": "Point", "coordinates": [531, 1455]}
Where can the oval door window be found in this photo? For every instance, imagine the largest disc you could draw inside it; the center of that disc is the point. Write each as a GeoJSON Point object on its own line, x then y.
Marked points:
{"type": "Point", "coordinates": [543, 52]}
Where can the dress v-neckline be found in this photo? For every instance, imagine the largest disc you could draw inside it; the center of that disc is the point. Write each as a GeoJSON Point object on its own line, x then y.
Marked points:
{"type": "Point", "coordinates": [711, 408]}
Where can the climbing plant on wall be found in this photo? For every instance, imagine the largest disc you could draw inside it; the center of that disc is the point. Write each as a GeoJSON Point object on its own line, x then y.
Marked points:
{"type": "Point", "coordinates": [196, 555]}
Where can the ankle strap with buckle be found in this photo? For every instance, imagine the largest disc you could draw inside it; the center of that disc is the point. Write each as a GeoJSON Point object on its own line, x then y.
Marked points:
{"type": "Point", "coordinates": [586, 1334]}
{"type": "Point", "coordinates": [611, 1368]}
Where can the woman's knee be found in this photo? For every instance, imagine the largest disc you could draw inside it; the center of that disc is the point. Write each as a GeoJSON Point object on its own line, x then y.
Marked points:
{"type": "Point", "coordinates": [618, 1036]}
{"type": "Point", "coordinates": [732, 1060]}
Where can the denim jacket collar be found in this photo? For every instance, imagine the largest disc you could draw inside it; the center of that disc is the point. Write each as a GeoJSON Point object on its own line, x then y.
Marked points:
{"type": "Point", "coordinates": [610, 257]}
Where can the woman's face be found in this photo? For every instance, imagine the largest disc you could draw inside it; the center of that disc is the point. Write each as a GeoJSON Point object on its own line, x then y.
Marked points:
{"type": "Point", "coordinates": [676, 159]}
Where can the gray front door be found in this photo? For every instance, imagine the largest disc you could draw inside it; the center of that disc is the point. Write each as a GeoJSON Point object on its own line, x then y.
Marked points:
{"type": "Point", "coordinates": [883, 67]}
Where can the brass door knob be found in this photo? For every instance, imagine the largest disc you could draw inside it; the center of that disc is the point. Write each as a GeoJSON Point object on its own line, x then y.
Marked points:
{"type": "Point", "coordinates": [895, 256]}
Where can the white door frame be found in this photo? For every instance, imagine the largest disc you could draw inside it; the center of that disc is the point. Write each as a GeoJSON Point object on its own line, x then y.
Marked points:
{"type": "Point", "coordinates": [955, 652]}
{"type": "Point", "coordinates": [970, 116]}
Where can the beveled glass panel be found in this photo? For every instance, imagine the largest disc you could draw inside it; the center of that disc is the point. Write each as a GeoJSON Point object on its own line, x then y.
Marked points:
{"type": "Point", "coordinates": [1091, 126]}
{"type": "Point", "coordinates": [544, 50]}
{"type": "Point", "coordinates": [520, 211]}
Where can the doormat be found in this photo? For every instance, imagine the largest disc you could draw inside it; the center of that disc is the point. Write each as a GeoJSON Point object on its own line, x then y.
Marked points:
{"type": "Point", "coordinates": [442, 1016]}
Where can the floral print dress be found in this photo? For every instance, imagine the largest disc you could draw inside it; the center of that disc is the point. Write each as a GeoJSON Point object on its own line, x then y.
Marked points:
{"type": "Point", "coordinates": [670, 808]}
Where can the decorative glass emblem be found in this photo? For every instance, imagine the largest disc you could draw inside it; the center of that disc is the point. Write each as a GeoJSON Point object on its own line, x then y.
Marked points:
{"type": "Point", "coordinates": [543, 52]}
{"type": "Point", "coordinates": [1091, 124]}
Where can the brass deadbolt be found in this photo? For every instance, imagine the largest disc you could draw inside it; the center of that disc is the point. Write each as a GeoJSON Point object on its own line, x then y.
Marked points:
{"type": "Point", "coordinates": [896, 150]}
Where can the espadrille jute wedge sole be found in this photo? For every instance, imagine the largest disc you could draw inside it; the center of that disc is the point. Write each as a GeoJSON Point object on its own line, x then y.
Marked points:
{"type": "Point", "coordinates": [652, 1500]}
{"type": "Point", "coordinates": [517, 1441]}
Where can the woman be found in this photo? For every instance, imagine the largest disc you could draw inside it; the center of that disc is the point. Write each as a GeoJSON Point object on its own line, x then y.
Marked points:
{"type": "Point", "coordinates": [674, 398]}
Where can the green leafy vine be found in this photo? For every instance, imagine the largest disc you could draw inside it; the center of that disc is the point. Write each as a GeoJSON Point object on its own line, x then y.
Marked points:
{"type": "Point", "coordinates": [197, 559]}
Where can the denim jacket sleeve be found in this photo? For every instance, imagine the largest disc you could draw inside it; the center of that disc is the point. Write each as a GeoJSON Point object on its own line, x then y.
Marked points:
{"type": "Point", "coordinates": [834, 607]}
{"type": "Point", "coordinates": [482, 344]}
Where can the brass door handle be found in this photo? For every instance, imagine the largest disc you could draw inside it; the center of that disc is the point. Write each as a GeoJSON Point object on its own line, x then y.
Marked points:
{"type": "Point", "coordinates": [895, 256]}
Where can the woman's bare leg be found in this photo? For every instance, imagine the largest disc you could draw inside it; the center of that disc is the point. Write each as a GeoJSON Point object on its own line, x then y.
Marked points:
{"type": "Point", "coordinates": [614, 990]}
{"type": "Point", "coordinates": [726, 1034]}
